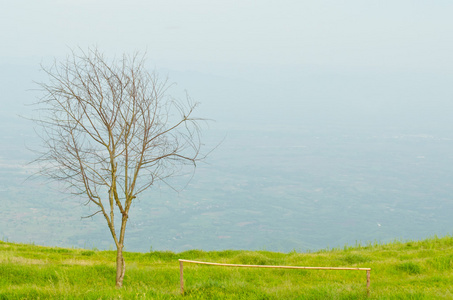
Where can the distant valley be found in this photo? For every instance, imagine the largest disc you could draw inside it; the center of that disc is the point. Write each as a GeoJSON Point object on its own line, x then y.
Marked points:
{"type": "Point", "coordinates": [259, 190]}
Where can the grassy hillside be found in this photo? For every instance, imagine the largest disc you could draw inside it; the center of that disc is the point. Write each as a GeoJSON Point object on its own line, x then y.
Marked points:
{"type": "Point", "coordinates": [409, 270]}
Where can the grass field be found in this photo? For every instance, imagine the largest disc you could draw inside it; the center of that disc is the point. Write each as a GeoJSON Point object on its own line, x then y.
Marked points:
{"type": "Point", "coordinates": [400, 270]}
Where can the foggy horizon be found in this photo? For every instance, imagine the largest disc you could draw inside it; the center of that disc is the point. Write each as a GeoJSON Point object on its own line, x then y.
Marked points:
{"type": "Point", "coordinates": [317, 107]}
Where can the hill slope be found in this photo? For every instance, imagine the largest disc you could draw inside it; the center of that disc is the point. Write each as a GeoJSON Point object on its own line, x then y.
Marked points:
{"type": "Point", "coordinates": [400, 270]}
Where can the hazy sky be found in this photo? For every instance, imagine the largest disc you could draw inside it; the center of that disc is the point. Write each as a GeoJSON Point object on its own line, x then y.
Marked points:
{"type": "Point", "coordinates": [270, 73]}
{"type": "Point", "coordinates": [181, 33]}
{"type": "Point", "coordinates": [271, 62]}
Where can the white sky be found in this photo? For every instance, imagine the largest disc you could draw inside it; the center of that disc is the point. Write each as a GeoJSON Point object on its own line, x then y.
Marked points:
{"type": "Point", "coordinates": [382, 63]}
{"type": "Point", "coordinates": [402, 34]}
{"type": "Point", "coordinates": [381, 67]}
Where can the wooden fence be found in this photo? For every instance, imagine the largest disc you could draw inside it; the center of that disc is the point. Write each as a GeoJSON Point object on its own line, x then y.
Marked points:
{"type": "Point", "coordinates": [181, 270]}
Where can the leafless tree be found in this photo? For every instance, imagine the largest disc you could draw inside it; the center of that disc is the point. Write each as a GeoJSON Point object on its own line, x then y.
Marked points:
{"type": "Point", "coordinates": [110, 131]}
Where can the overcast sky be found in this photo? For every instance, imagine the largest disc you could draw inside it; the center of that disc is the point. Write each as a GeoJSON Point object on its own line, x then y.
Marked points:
{"type": "Point", "coordinates": [323, 60]}
{"type": "Point", "coordinates": [356, 33]}
{"type": "Point", "coordinates": [270, 72]}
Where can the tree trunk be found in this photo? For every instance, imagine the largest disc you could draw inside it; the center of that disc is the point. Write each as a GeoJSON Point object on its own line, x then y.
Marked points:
{"type": "Point", "coordinates": [120, 266]}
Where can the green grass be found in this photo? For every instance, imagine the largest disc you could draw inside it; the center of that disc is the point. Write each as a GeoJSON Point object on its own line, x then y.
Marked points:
{"type": "Point", "coordinates": [400, 270]}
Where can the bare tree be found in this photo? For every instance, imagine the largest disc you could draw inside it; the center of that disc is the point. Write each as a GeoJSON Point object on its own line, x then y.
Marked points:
{"type": "Point", "coordinates": [110, 131]}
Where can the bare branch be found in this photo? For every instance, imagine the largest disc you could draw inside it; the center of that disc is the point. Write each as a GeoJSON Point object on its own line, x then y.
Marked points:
{"type": "Point", "coordinates": [86, 217]}
{"type": "Point", "coordinates": [110, 131]}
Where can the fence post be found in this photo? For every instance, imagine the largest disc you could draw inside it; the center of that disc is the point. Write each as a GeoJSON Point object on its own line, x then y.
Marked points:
{"type": "Point", "coordinates": [181, 276]}
{"type": "Point", "coordinates": [368, 279]}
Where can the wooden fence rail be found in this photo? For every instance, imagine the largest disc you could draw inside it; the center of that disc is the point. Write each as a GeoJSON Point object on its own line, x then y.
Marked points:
{"type": "Point", "coordinates": [181, 269]}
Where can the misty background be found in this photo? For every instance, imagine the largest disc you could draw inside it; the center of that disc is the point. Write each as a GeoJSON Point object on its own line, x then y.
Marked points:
{"type": "Point", "coordinates": [332, 120]}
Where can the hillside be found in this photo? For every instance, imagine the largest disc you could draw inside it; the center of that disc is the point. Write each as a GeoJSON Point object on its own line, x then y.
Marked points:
{"type": "Point", "coordinates": [400, 270]}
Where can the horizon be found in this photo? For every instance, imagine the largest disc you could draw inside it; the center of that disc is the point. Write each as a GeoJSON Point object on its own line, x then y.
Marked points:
{"type": "Point", "coordinates": [314, 103]}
